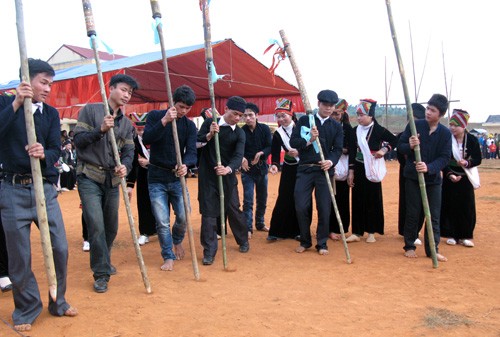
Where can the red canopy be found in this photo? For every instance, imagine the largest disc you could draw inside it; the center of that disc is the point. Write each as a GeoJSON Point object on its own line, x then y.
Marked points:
{"type": "Point", "coordinates": [244, 76]}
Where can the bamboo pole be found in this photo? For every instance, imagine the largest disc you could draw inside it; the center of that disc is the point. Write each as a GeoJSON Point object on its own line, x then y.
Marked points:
{"type": "Point", "coordinates": [445, 80]}
{"type": "Point", "coordinates": [209, 62]}
{"type": "Point", "coordinates": [307, 106]}
{"type": "Point", "coordinates": [421, 180]}
{"type": "Point", "coordinates": [155, 8]}
{"type": "Point", "coordinates": [36, 172]}
{"type": "Point", "coordinates": [91, 33]}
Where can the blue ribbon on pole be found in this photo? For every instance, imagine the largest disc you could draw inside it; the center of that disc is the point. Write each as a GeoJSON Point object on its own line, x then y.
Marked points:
{"type": "Point", "coordinates": [213, 74]}
{"type": "Point", "coordinates": [305, 132]}
{"type": "Point", "coordinates": [97, 40]}
{"type": "Point", "coordinates": [154, 25]}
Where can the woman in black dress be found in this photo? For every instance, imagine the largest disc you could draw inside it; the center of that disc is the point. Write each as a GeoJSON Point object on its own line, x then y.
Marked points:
{"type": "Point", "coordinates": [344, 172]}
{"type": "Point", "coordinates": [373, 142]}
{"type": "Point", "coordinates": [460, 178]}
{"type": "Point", "coordinates": [284, 222]}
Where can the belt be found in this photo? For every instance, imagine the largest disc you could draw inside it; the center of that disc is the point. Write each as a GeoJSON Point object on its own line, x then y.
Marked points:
{"type": "Point", "coordinates": [310, 165]}
{"type": "Point", "coordinates": [19, 179]}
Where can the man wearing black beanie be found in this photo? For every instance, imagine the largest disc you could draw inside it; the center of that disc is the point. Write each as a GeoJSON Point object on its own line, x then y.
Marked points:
{"type": "Point", "coordinates": [232, 146]}
{"type": "Point", "coordinates": [435, 149]}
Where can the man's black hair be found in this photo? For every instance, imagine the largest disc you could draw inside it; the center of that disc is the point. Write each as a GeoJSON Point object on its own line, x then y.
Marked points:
{"type": "Point", "coordinates": [122, 78]}
{"type": "Point", "coordinates": [37, 66]}
{"type": "Point", "coordinates": [185, 95]}
{"type": "Point", "coordinates": [253, 107]}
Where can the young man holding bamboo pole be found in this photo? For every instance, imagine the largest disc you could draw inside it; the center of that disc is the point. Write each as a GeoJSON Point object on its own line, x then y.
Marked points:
{"type": "Point", "coordinates": [163, 174]}
{"type": "Point", "coordinates": [18, 204]}
{"type": "Point", "coordinates": [98, 175]}
{"type": "Point", "coordinates": [311, 170]}
{"type": "Point", "coordinates": [435, 148]}
{"type": "Point", "coordinates": [232, 146]}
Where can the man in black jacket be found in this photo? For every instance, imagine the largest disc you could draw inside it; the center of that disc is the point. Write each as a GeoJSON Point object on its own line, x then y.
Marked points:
{"type": "Point", "coordinates": [311, 171]}
{"type": "Point", "coordinates": [17, 196]}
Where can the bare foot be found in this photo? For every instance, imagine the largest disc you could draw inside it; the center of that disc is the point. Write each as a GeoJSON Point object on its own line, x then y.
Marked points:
{"type": "Point", "coordinates": [179, 251]}
{"type": "Point", "coordinates": [167, 265]}
{"type": "Point", "coordinates": [300, 249]}
{"type": "Point", "coordinates": [411, 254]}
{"type": "Point", "coordinates": [22, 327]}
{"type": "Point", "coordinates": [71, 312]}
{"type": "Point", "coordinates": [441, 258]}
{"type": "Point", "coordinates": [334, 236]}
{"type": "Point", "coordinates": [323, 252]}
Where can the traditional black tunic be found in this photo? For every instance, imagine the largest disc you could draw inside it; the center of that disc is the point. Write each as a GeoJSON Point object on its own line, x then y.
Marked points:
{"type": "Point", "coordinates": [139, 176]}
{"type": "Point", "coordinates": [458, 203]}
{"type": "Point", "coordinates": [284, 222]}
{"type": "Point", "coordinates": [342, 189]}
{"type": "Point", "coordinates": [367, 201]}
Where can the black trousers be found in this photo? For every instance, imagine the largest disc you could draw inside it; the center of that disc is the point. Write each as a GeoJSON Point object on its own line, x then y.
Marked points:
{"type": "Point", "coordinates": [309, 179]}
{"type": "Point", "coordinates": [237, 222]}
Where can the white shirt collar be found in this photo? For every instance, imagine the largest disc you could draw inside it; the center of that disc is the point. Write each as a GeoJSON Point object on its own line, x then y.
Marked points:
{"type": "Point", "coordinates": [222, 122]}
{"type": "Point", "coordinates": [37, 105]}
{"type": "Point", "coordinates": [322, 120]}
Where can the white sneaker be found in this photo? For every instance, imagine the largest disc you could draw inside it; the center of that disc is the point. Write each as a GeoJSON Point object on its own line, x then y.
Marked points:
{"type": "Point", "coordinates": [451, 242]}
{"type": "Point", "coordinates": [5, 284]}
{"type": "Point", "coordinates": [219, 237]}
{"type": "Point", "coordinates": [371, 238]}
{"type": "Point", "coordinates": [466, 243]}
{"type": "Point", "coordinates": [418, 242]}
{"type": "Point", "coordinates": [86, 246]}
{"type": "Point", "coordinates": [64, 189]}
{"type": "Point", "coordinates": [143, 239]}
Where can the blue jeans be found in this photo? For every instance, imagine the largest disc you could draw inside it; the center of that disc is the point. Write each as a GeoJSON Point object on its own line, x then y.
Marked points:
{"type": "Point", "coordinates": [100, 211]}
{"type": "Point", "coordinates": [162, 195]}
{"type": "Point", "coordinates": [259, 182]}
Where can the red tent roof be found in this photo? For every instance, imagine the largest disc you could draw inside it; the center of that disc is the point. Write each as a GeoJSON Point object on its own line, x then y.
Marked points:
{"type": "Point", "coordinates": [244, 76]}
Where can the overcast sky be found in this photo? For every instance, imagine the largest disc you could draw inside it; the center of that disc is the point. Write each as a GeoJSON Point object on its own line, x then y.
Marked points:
{"type": "Point", "coordinates": [338, 45]}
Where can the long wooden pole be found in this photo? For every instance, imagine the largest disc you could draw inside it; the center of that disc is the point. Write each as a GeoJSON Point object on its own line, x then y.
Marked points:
{"type": "Point", "coordinates": [91, 32]}
{"type": "Point", "coordinates": [307, 106]}
{"type": "Point", "coordinates": [36, 172]}
{"type": "Point", "coordinates": [155, 8]}
{"type": "Point", "coordinates": [209, 63]}
{"type": "Point", "coordinates": [418, 158]}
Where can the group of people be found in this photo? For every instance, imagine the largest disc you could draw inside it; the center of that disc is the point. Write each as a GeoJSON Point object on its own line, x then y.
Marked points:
{"type": "Point", "coordinates": [319, 149]}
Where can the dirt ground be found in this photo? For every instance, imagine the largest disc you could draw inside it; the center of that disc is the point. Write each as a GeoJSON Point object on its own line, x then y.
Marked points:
{"type": "Point", "coordinates": [272, 291]}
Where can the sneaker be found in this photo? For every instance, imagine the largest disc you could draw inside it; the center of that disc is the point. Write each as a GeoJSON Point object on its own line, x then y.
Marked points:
{"type": "Point", "coordinates": [353, 238]}
{"type": "Point", "coordinates": [64, 189]}
{"type": "Point", "coordinates": [418, 242]}
{"type": "Point", "coordinates": [451, 242]}
{"type": "Point", "coordinates": [208, 260]}
{"type": "Point", "coordinates": [86, 246]}
{"type": "Point", "coordinates": [219, 237]}
{"type": "Point", "coordinates": [143, 239]}
{"type": "Point", "coordinates": [5, 284]}
{"type": "Point", "coordinates": [262, 227]}
{"type": "Point", "coordinates": [466, 243]}
{"type": "Point", "coordinates": [371, 238]}
{"type": "Point", "coordinates": [112, 270]}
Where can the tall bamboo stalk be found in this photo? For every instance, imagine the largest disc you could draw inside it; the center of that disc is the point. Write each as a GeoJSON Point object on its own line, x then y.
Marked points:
{"type": "Point", "coordinates": [413, 63]}
{"type": "Point", "coordinates": [36, 172]}
{"type": "Point", "coordinates": [155, 8]}
{"type": "Point", "coordinates": [445, 80]}
{"type": "Point", "coordinates": [91, 33]}
{"type": "Point", "coordinates": [209, 63]}
{"type": "Point", "coordinates": [421, 180]}
{"type": "Point", "coordinates": [307, 106]}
